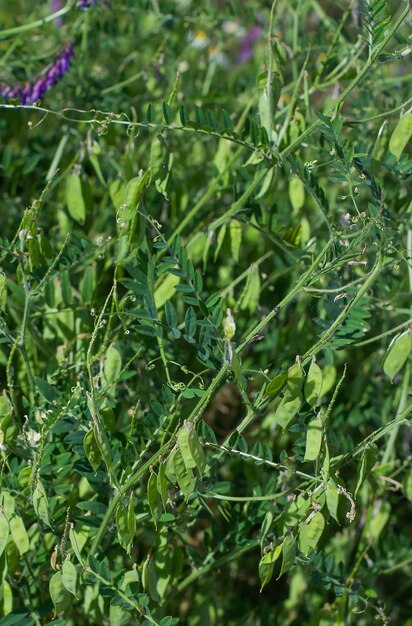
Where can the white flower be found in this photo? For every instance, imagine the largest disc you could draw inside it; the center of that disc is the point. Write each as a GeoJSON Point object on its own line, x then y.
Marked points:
{"type": "Point", "coordinates": [199, 40]}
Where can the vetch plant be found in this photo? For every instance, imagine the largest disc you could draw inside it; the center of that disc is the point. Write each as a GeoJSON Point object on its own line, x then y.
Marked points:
{"type": "Point", "coordinates": [205, 313]}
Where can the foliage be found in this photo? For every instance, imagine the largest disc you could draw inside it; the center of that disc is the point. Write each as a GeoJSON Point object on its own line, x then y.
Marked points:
{"type": "Point", "coordinates": [205, 310]}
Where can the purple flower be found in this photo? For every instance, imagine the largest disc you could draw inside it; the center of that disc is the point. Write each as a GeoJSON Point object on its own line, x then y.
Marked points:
{"type": "Point", "coordinates": [246, 44]}
{"type": "Point", "coordinates": [34, 90]}
{"type": "Point", "coordinates": [85, 4]}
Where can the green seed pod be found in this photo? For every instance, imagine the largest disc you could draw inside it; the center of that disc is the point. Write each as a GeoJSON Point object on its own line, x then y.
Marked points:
{"type": "Point", "coordinates": [313, 384]}
{"type": "Point", "coordinates": [314, 439]}
{"type": "Point", "coordinates": [398, 351]}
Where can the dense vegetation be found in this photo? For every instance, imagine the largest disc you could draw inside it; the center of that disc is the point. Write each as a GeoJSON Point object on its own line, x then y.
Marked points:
{"type": "Point", "coordinates": [205, 312]}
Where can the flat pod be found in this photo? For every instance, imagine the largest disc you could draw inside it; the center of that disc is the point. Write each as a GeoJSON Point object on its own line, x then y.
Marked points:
{"type": "Point", "coordinates": [4, 532]}
{"type": "Point", "coordinates": [92, 450]}
{"type": "Point", "coordinates": [41, 503]}
{"type": "Point", "coordinates": [184, 476]}
{"type": "Point", "coordinates": [69, 576]}
{"type": "Point", "coordinates": [153, 498]}
{"type": "Point", "coordinates": [267, 564]}
{"type": "Point", "coordinates": [275, 386]}
{"type": "Point", "coordinates": [19, 534]}
{"type": "Point", "coordinates": [161, 484]}
{"type": "Point", "coordinates": [295, 379]}
{"type": "Point", "coordinates": [75, 199]}
{"type": "Point", "coordinates": [314, 438]}
{"type": "Point", "coordinates": [184, 447]}
{"type": "Point", "coordinates": [112, 366]}
{"type": "Point", "coordinates": [288, 554]}
{"type": "Point", "coordinates": [311, 532]}
{"type": "Point", "coordinates": [126, 524]}
{"type": "Point", "coordinates": [288, 409]}
{"type": "Point", "coordinates": [397, 354]}
{"type": "Point", "coordinates": [60, 596]}
{"type": "Point", "coordinates": [401, 135]}
{"type": "Point", "coordinates": [313, 384]}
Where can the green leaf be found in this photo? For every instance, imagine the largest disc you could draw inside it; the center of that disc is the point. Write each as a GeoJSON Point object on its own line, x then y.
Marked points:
{"type": "Point", "coordinates": [184, 115]}
{"type": "Point", "coordinates": [150, 578]}
{"type": "Point", "coordinates": [66, 288]}
{"type": "Point", "coordinates": [166, 112]}
{"type": "Point", "coordinates": [171, 317]}
{"type": "Point", "coordinates": [379, 520]}
{"type": "Point", "coordinates": [46, 390]}
{"type": "Point", "coordinates": [397, 354]}
{"type": "Point", "coordinates": [190, 322]}
{"type": "Point", "coordinates": [74, 198]}
{"type": "Point", "coordinates": [88, 285]}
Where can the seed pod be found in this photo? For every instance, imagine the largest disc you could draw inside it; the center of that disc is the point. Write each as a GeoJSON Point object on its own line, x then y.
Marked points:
{"type": "Point", "coordinates": [314, 439]}
{"type": "Point", "coordinates": [398, 351]}
{"type": "Point", "coordinates": [313, 384]}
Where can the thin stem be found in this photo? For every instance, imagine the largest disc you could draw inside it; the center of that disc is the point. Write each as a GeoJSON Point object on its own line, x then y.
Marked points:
{"type": "Point", "coordinates": [377, 337]}
{"type": "Point", "coordinates": [301, 282]}
{"type": "Point", "coordinates": [37, 23]}
{"type": "Point", "coordinates": [227, 558]}
{"type": "Point", "coordinates": [343, 315]}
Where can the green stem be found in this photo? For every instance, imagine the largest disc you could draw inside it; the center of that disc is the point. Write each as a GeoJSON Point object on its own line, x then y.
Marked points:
{"type": "Point", "coordinates": [36, 24]}
{"type": "Point", "coordinates": [299, 285]}
{"type": "Point", "coordinates": [377, 337]}
{"type": "Point", "coordinates": [227, 558]}
{"type": "Point", "coordinates": [269, 79]}
{"type": "Point", "coordinates": [343, 315]}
